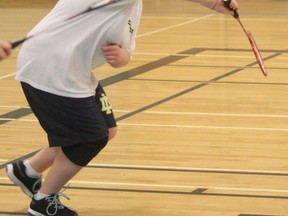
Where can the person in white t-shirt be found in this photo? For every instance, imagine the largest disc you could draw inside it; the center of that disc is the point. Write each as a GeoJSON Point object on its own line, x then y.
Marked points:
{"type": "Point", "coordinates": [5, 49]}
{"type": "Point", "coordinates": [55, 71]}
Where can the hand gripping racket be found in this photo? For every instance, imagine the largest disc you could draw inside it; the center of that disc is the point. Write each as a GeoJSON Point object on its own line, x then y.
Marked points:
{"type": "Point", "coordinates": [97, 5]}
{"type": "Point", "coordinates": [251, 40]}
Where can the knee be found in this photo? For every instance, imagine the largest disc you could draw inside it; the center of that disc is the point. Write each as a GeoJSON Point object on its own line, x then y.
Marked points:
{"type": "Point", "coordinates": [82, 154]}
{"type": "Point", "coordinates": [112, 132]}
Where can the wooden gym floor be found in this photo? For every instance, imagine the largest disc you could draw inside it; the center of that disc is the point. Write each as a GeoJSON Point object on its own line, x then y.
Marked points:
{"type": "Point", "coordinates": [201, 131]}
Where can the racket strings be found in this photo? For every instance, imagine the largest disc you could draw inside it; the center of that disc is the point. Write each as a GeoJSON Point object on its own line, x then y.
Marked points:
{"type": "Point", "coordinates": [255, 49]}
{"type": "Point", "coordinates": [257, 53]}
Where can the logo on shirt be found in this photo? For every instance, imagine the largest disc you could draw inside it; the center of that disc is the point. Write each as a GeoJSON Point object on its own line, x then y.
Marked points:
{"type": "Point", "coordinates": [131, 29]}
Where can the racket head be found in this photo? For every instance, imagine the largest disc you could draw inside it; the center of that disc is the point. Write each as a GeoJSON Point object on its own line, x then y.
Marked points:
{"type": "Point", "coordinates": [257, 54]}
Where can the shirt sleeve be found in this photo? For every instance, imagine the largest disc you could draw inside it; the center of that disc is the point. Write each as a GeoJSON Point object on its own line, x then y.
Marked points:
{"type": "Point", "coordinates": [134, 26]}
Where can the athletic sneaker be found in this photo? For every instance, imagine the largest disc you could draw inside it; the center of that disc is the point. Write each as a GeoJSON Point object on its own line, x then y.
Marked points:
{"type": "Point", "coordinates": [50, 206]}
{"type": "Point", "coordinates": [17, 173]}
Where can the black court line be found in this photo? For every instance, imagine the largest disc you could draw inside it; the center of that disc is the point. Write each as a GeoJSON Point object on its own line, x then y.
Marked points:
{"type": "Point", "coordinates": [22, 213]}
{"type": "Point", "coordinates": [199, 191]}
{"type": "Point", "coordinates": [256, 215]}
{"type": "Point", "coordinates": [212, 82]}
{"type": "Point", "coordinates": [195, 192]}
{"type": "Point", "coordinates": [164, 169]}
{"type": "Point", "coordinates": [19, 113]}
{"type": "Point", "coordinates": [247, 50]}
{"type": "Point", "coordinates": [219, 66]}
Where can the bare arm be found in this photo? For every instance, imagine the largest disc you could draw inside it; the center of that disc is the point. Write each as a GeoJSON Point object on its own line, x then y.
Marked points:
{"type": "Point", "coordinates": [218, 5]}
{"type": "Point", "coordinates": [5, 49]}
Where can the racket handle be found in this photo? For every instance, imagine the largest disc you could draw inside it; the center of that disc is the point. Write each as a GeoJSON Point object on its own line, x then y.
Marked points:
{"type": "Point", "coordinates": [227, 4]}
{"type": "Point", "coordinates": [16, 43]}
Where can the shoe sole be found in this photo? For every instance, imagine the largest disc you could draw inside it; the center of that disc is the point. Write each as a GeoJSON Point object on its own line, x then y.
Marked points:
{"type": "Point", "coordinates": [15, 180]}
{"type": "Point", "coordinates": [34, 213]}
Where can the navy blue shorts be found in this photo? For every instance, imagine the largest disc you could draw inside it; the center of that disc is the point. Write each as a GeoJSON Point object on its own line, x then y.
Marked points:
{"type": "Point", "coordinates": [69, 121]}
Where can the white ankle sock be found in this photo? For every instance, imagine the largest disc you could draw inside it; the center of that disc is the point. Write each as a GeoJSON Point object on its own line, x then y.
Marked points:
{"type": "Point", "coordinates": [29, 169]}
{"type": "Point", "coordinates": [40, 196]}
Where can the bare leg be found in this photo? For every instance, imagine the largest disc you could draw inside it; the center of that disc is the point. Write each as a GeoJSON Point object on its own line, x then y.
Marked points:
{"type": "Point", "coordinates": [60, 173]}
{"type": "Point", "coordinates": [62, 169]}
{"type": "Point", "coordinates": [112, 132]}
{"type": "Point", "coordinates": [44, 158]}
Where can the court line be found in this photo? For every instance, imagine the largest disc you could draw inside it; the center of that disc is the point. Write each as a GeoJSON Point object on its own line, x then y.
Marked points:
{"type": "Point", "coordinates": [256, 215]}
{"type": "Point", "coordinates": [245, 50]}
{"type": "Point", "coordinates": [203, 127]}
{"type": "Point", "coordinates": [14, 107]}
{"type": "Point", "coordinates": [12, 213]}
{"type": "Point", "coordinates": [173, 186]}
{"type": "Point", "coordinates": [208, 114]}
{"type": "Point", "coordinates": [14, 114]}
{"type": "Point", "coordinates": [205, 55]}
{"type": "Point", "coordinates": [166, 17]}
{"type": "Point", "coordinates": [233, 56]}
{"type": "Point", "coordinates": [181, 113]}
{"type": "Point", "coordinates": [170, 125]}
{"type": "Point", "coordinates": [8, 75]}
{"type": "Point", "coordinates": [252, 19]}
{"type": "Point", "coordinates": [196, 192]}
{"type": "Point", "coordinates": [163, 54]}
{"type": "Point", "coordinates": [17, 119]}
{"type": "Point", "coordinates": [214, 18]}
{"type": "Point", "coordinates": [175, 26]}
{"type": "Point", "coordinates": [213, 82]}
{"type": "Point", "coordinates": [197, 55]}
{"type": "Point", "coordinates": [188, 169]}
{"type": "Point", "coordinates": [182, 169]}
{"type": "Point", "coordinates": [193, 65]}
{"type": "Point", "coordinates": [179, 186]}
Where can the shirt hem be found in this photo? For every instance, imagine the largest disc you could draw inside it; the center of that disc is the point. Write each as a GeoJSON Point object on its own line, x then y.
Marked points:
{"type": "Point", "coordinates": [53, 91]}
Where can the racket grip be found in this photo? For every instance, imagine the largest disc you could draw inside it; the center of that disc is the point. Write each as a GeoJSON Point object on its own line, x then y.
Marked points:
{"type": "Point", "coordinates": [16, 43]}
{"type": "Point", "coordinates": [227, 4]}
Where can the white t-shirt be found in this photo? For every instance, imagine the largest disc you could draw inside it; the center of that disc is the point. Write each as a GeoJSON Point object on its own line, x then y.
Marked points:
{"type": "Point", "coordinates": [60, 59]}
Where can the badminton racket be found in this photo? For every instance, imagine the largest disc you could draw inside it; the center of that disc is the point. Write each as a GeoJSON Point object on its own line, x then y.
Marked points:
{"type": "Point", "coordinates": [251, 40]}
{"type": "Point", "coordinates": [97, 5]}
